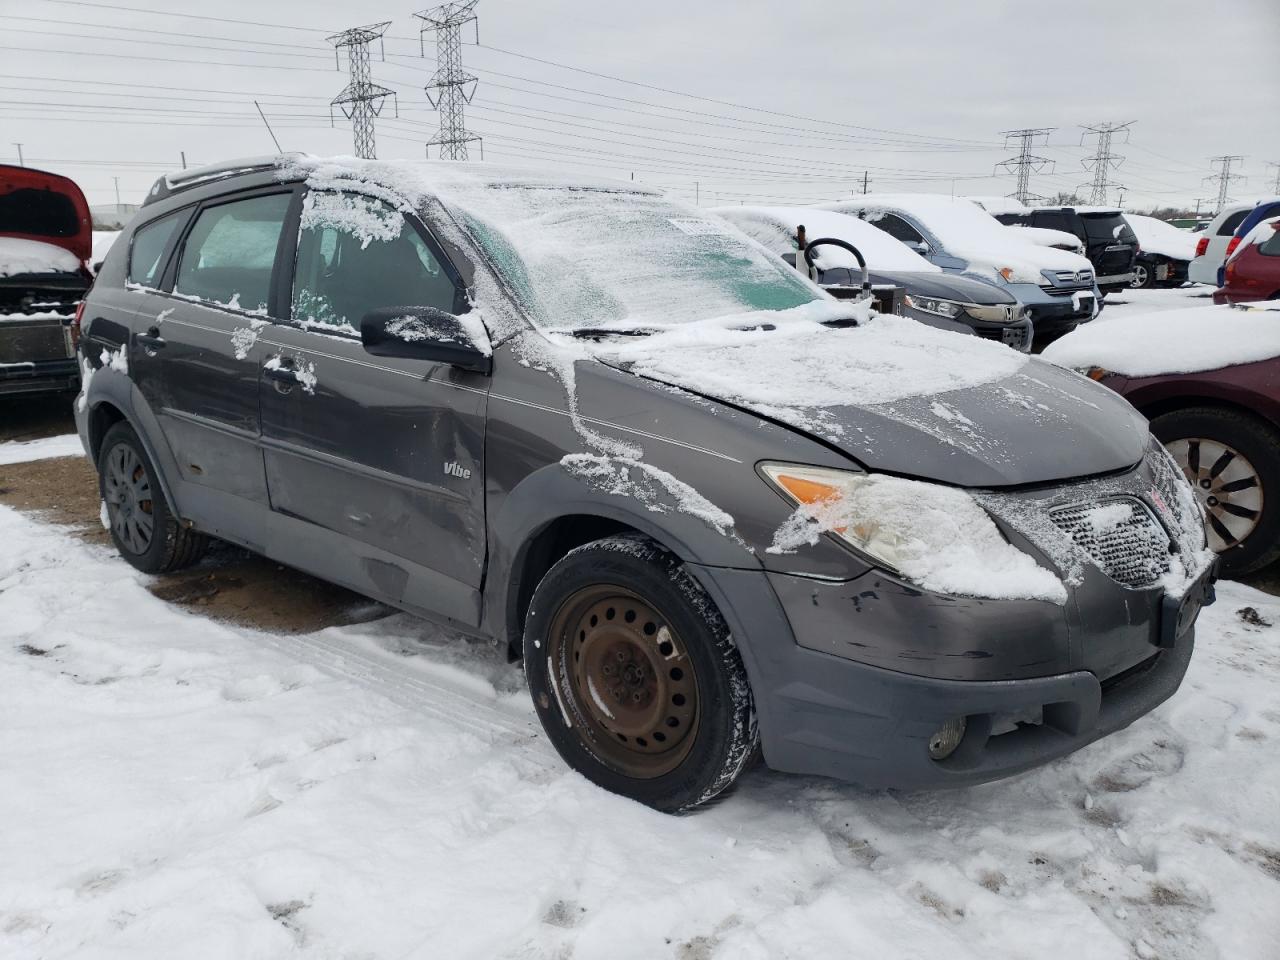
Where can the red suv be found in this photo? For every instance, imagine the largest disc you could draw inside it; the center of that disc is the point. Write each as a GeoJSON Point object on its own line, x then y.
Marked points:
{"type": "Point", "coordinates": [1254, 272]}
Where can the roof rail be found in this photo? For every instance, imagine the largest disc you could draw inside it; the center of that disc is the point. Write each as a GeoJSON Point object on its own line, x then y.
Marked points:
{"type": "Point", "coordinates": [172, 183]}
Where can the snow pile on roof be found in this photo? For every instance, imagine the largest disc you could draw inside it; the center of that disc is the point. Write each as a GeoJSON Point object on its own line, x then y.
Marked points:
{"type": "Point", "coordinates": [1263, 231]}
{"type": "Point", "coordinates": [936, 536]}
{"type": "Point", "coordinates": [775, 228]}
{"type": "Point", "coordinates": [1171, 341]}
{"type": "Point", "coordinates": [999, 205]}
{"type": "Point", "coordinates": [1156, 236]}
{"type": "Point", "coordinates": [1044, 237]}
{"type": "Point", "coordinates": [801, 366]}
{"type": "Point", "coordinates": [966, 230]}
{"type": "Point", "coordinates": [18, 256]}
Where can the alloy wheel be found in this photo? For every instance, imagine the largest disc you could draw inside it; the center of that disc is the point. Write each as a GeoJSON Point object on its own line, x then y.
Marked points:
{"type": "Point", "coordinates": [1140, 276]}
{"type": "Point", "coordinates": [626, 676]}
{"type": "Point", "coordinates": [130, 507]}
{"type": "Point", "coordinates": [1227, 485]}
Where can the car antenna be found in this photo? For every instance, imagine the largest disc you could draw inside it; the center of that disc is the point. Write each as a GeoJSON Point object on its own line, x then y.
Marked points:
{"type": "Point", "coordinates": [279, 149]}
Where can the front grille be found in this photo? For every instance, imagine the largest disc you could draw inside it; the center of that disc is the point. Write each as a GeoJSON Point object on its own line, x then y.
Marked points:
{"type": "Point", "coordinates": [1121, 535]}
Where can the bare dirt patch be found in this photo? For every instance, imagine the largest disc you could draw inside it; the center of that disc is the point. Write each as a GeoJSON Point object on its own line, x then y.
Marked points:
{"type": "Point", "coordinates": [228, 584]}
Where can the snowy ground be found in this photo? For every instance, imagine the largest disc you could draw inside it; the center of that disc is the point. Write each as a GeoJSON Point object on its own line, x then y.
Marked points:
{"type": "Point", "coordinates": [175, 787]}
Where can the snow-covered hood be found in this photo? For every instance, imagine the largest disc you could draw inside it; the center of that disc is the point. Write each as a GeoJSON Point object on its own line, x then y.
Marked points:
{"type": "Point", "coordinates": [19, 257]}
{"type": "Point", "coordinates": [1156, 236]}
{"type": "Point", "coordinates": [900, 397]}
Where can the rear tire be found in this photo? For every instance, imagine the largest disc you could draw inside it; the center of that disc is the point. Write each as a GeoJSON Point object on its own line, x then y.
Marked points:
{"type": "Point", "coordinates": [1243, 516]}
{"type": "Point", "coordinates": [138, 518]}
{"type": "Point", "coordinates": [1142, 277]}
{"type": "Point", "coordinates": [635, 678]}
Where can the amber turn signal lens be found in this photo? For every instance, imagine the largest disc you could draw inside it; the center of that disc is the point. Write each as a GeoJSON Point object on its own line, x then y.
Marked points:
{"type": "Point", "coordinates": [807, 491]}
{"type": "Point", "coordinates": [1096, 373]}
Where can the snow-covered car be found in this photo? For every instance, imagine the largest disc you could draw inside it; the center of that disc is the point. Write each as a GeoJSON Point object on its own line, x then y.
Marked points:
{"type": "Point", "coordinates": [45, 243]}
{"type": "Point", "coordinates": [947, 301]}
{"type": "Point", "coordinates": [709, 504]}
{"type": "Point", "coordinates": [956, 234]}
{"type": "Point", "coordinates": [1107, 240]}
{"type": "Point", "coordinates": [1209, 380]}
{"type": "Point", "coordinates": [1164, 252]}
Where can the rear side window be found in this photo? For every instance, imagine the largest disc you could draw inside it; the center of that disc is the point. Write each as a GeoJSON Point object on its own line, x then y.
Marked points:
{"type": "Point", "coordinates": [1229, 225]}
{"type": "Point", "coordinates": [897, 228]}
{"type": "Point", "coordinates": [1271, 245]}
{"type": "Point", "coordinates": [357, 254]}
{"type": "Point", "coordinates": [1108, 226]}
{"type": "Point", "coordinates": [1052, 220]}
{"type": "Point", "coordinates": [146, 253]}
{"type": "Point", "coordinates": [231, 250]}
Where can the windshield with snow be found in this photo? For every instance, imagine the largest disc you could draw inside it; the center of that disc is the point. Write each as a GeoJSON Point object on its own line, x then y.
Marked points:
{"type": "Point", "coordinates": [591, 257]}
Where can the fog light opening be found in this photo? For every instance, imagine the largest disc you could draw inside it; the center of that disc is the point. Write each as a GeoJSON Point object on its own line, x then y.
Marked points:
{"type": "Point", "coordinates": [944, 740]}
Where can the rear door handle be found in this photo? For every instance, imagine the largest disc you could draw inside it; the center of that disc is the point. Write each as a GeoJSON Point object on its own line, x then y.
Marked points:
{"type": "Point", "coordinates": [285, 377]}
{"type": "Point", "coordinates": [151, 340]}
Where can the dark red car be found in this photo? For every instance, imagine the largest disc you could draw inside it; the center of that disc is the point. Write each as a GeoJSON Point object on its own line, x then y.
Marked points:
{"type": "Point", "coordinates": [1254, 272]}
{"type": "Point", "coordinates": [1223, 428]}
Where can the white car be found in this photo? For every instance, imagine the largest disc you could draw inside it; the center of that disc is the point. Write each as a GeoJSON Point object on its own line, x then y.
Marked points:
{"type": "Point", "coordinates": [1211, 250]}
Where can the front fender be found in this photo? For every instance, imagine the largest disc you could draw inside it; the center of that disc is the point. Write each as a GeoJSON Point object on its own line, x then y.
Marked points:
{"type": "Point", "coordinates": [553, 493]}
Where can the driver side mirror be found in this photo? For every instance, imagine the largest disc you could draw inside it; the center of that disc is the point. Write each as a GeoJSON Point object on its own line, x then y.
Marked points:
{"type": "Point", "coordinates": [425, 333]}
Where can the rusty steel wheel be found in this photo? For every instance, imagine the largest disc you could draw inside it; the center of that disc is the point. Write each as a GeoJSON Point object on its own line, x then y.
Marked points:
{"type": "Point", "coordinates": [635, 677]}
{"type": "Point", "coordinates": [627, 676]}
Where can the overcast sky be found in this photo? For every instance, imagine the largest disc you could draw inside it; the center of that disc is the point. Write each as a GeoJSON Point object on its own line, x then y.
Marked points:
{"type": "Point", "coordinates": [810, 94]}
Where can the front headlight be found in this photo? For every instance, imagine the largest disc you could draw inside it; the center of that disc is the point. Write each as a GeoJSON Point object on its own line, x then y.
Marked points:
{"type": "Point", "coordinates": [1020, 274]}
{"type": "Point", "coordinates": [935, 306]}
{"type": "Point", "coordinates": [935, 536]}
{"type": "Point", "coordinates": [989, 314]}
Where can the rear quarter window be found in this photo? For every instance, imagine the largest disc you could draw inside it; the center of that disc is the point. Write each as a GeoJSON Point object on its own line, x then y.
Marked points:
{"type": "Point", "coordinates": [150, 244]}
{"type": "Point", "coordinates": [1229, 225]}
{"type": "Point", "coordinates": [1110, 227]}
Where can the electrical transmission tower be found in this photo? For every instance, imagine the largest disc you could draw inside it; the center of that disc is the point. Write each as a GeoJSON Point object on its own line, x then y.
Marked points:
{"type": "Point", "coordinates": [361, 99]}
{"type": "Point", "coordinates": [1275, 186]}
{"type": "Point", "coordinates": [453, 86]}
{"type": "Point", "coordinates": [1225, 178]}
{"type": "Point", "coordinates": [1026, 163]}
{"type": "Point", "coordinates": [1104, 161]}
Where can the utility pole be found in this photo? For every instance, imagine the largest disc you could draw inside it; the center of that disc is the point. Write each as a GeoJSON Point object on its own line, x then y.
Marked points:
{"type": "Point", "coordinates": [183, 155]}
{"type": "Point", "coordinates": [1026, 163]}
{"type": "Point", "coordinates": [1104, 161]}
{"type": "Point", "coordinates": [21, 162]}
{"type": "Point", "coordinates": [1120, 199]}
{"type": "Point", "coordinates": [361, 99]}
{"type": "Point", "coordinates": [1224, 177]}
{"type": "Point", "coordinates": [117, 180]}
{"type": "Point", "coordinates": [453, 86]}
{"type": "Point", "coordinates": [866, 179]}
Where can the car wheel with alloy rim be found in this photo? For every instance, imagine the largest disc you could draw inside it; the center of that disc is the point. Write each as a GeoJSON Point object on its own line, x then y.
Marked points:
{"type": "Point", "coordinates": [1232, 461]}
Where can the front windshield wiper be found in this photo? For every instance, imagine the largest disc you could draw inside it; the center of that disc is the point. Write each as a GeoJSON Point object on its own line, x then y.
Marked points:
{"type": "Point", "coordinates": [595, 333]}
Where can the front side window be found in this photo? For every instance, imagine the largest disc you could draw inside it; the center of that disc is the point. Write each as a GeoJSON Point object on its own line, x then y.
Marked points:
{"type": "Point", "coordinates": [230, 252]}
{"type": "Point", "coordinates": [357, 254]}
{"type": "Point", "coordinates": [149, 245]}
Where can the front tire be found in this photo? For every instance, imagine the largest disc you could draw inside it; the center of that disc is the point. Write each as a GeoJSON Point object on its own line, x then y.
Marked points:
{"type": "Point", "coordinates": [138, 518]}
{"type": "Point", "coordinates": [635, 678]}
{"type": "Point", "coordinates": [1232, 460]}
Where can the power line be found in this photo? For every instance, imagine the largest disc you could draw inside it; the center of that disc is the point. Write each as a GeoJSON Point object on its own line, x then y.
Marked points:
{"type": "Point", "coordinates": [1025, 163]}
{"type": "Point", "coordinates": [151, 11]}
{"type": "Point", "coordinates": [1104, 160]}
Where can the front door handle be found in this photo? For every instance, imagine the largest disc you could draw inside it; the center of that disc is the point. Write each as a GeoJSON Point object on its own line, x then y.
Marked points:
{"type": "Point", "coordinates": [151, 341]}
